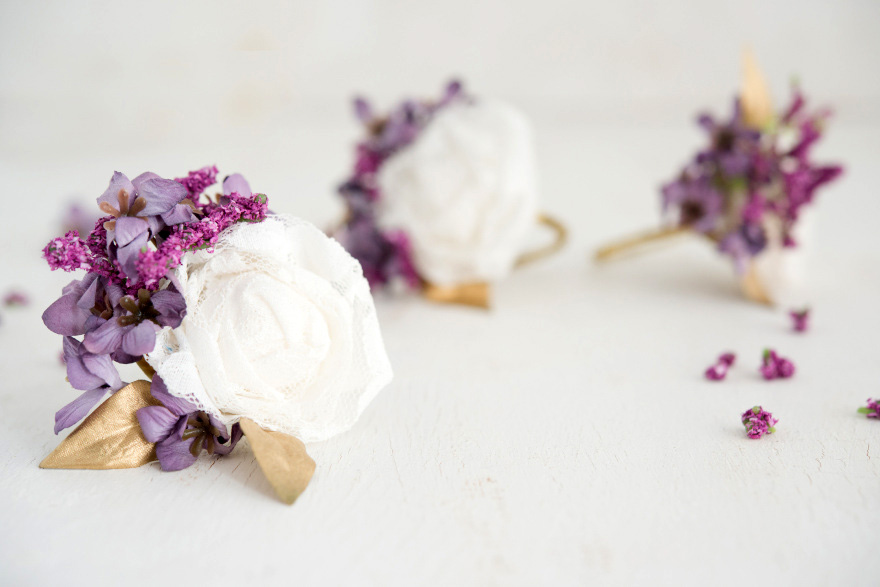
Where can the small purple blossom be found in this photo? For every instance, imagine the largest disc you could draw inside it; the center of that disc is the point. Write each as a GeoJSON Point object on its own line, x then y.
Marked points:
{"type": "Point", "coordinates": [758, 422]}
{"type": "Point", "coordinates": [384, 255]}
{"type": "Point", "coordinates": [181, 431]}
{"type": "Point", "coordinates": [718, 371]}
{"type": "Point", "coordinates": [774, 366]}
{"type": "Point", "coordinates": [197, 181]}
{"type": "Point", "coordinates": [77, 218]}
{"type": "Point", "coordinates": [872, 410]}
{"type": "Point", "coordinates": [800, 319]}
{"type": "Point", "coordinates": [16, 299]}
{"type": "Point", "coordinates": [68, 253]}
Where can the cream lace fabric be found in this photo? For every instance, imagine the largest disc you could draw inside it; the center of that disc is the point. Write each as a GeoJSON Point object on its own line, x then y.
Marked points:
{"type": "Point", "coordinates": [280, 328]}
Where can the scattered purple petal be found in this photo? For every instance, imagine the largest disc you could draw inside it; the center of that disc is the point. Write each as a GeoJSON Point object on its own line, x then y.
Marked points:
{"type": "Point", "coordinates": [718, 371]}
{"type": "Point", "coordinates": [774, 366]}
{"type": "Point", "coordinates": [758, 422]}
{"type": "Point", "coordinates": [872, 410]}
{"type": "Point", "coordinates": [800, 319]}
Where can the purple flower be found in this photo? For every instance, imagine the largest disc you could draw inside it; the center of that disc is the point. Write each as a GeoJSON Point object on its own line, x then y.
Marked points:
{"type": "Point", "coordinates": [16, 298]}
{"type": "Point", "coordinates": [800, 319]}
{"type": "Point", "coordinates": [67, 253]}
{"type": "Point", "coordinates": [718, 371]}
{"type": "Point", "coordinates": [145, 205]}
{"type": "Point", "coordinates": [181, 431]}
{"type": "Point", "coordinates": [728, 189]}
{"type": "Point", "coordinates": [758, 422]}
{"type": "Point", "coordinates": [94, 373]}
{"type": "Point", "coordinates": [197, 181]}
{"type": "Point", "coordinates": [135, 322]}
{"type": "Point", "coordinates": [775, 367]}
{"type": "Point", "coordinates": [82, 303]}
{"type": "Point", "coordinates": [76, 218]}
{"type": "Point", "coordinates": [698, 202]}
{"type": "Point", "coordinates": [872, 410]}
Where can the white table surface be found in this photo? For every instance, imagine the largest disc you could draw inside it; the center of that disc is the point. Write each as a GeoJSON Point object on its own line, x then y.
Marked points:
{"type": "Point", "coordinates": [566, 437]}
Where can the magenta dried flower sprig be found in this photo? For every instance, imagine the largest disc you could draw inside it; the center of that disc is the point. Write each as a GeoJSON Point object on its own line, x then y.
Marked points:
{"type": "Point", "coordinates": [872, 410]}
{"type": "Point", "coordinates": [718, 371]}
{"type": "Point", "coordinates": [773, 366]}
{"type": "Point", "coordinates": [758, 422]}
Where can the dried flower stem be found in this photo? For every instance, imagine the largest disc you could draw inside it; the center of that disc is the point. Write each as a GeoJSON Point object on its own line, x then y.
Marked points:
{"type": "Point", "coordinates": [627, 245]}
{"type": "Point", "coordinates": [561, 234]}
{"type": "Point", "coordinates": [146, 368]}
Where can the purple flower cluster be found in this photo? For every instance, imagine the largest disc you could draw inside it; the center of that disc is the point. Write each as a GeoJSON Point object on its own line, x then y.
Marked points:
{"type": "Point", "coordinates": [746, 177]}
{"type": "Point", "coordinates": [181, 431]}
{"type": "Point", "coordinates": [872, 410]}
{"type": "Point", "coordinates": [128, 293]}
{"type": "Point", "coordinates": [800, 319]}
{"type": "Point", "coordinates": [718, 371]}
{"type": "Point", "coordinates": [383, 255]}
{"type": "Point", "coordinates": [775, 367]}
{"type": "Point", "coordinates": [758, 422]}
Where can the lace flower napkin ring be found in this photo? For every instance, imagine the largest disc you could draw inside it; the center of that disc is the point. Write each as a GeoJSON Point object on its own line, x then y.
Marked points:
{"type": "Point", "coordinates": [247, 323]}
{"type": "Point", "coordinates": [443, 196]}
{"type": "Point", "coordinates": [748, 191]}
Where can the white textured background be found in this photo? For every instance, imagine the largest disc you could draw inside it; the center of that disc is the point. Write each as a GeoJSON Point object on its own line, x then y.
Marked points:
{"type": "Point", "coordinates": [564, 438]}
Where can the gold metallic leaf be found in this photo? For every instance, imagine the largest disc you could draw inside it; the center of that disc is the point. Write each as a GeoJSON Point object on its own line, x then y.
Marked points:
{"type": "Point", "coordinates": [283, 459]}
{"type": "Point", "coordinates": [752, 287]}
{"type": "Point", "coordinates": [110, 437]}
{"type": "Point", "coordinates": [755, 100]}
{"type": "Point", "coordinates": [468, 294]}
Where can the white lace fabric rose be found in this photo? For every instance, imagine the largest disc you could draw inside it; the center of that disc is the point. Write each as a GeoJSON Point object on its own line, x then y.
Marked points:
{"type": "Point", "coordinates": [465, 192]}
{"type": "Point", "coordinates": [280, 328]}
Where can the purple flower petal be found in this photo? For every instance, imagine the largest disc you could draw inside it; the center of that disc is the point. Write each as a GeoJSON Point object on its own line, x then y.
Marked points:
{"type": "Point", "coordinates": [128, 254]}
{"type": "Point", "coordinates": [102, 366]}
{"type": "Point", "coordinates": [225, 449]}
{"type": "Point", "coordinates": [161, 195]}
{"type": "Point", "coordinates": [65, 317]}
{"type": "Point", "coordinates": [140, 340]}
{"type": "Point", "coordinates": [174, 454]}
{"type": "Point", "coordinates": [178, 214]}
{"type": "Point", "coordinates": [119, 181]}
{"type": "Point", "coordinates": [171, 306]}
{"type": "Point", "coordinates": [129, 228]}
{"type": "Point", "coordinates": [143, 177]}
{"type": "Point", "coordinates": [77, 409]}
{"type": "Point", "coordinates": [157, 422]}
{"type": "Point", "coordinates": [106, 338]}
{"type": "Point", "coordinates": [237, 184]}
{"type": "Point", "coordinates": [79, 375]}
{"type": "Point", "coordinates": [177, 405]}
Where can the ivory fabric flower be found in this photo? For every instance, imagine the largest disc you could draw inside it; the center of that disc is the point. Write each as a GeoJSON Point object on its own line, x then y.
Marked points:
{"type": "Point", "coordinates": [464, 192]}
{"type": "Point", "coordinates": [280, 328]}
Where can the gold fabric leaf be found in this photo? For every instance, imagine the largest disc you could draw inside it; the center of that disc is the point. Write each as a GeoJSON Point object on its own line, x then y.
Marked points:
{"type": "Point", "coordinates": [468, 294]}
{"type": "Point", "coordinates": [283, 459]}
{"type": "Point", "coordinates": [755, 100]}
{"type": "Point", "coordinates": [110, 437]}
{"type": "Point", "coordinates": [752, 287]}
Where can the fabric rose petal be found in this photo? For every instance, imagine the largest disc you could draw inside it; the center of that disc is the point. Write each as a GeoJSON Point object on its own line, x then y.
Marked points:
{"type": "Point", "coordinates": [465, 192]}
{"type": "Point", "coordinates": [280, 329]}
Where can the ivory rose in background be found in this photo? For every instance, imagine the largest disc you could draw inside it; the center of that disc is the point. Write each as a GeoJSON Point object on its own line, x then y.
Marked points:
{"type": "Point", "coordinates": [464, 192]}
{"type": "Point", "coordinates": [443, 194]}
{"type": "Point", "coordinates": [280, 328]}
